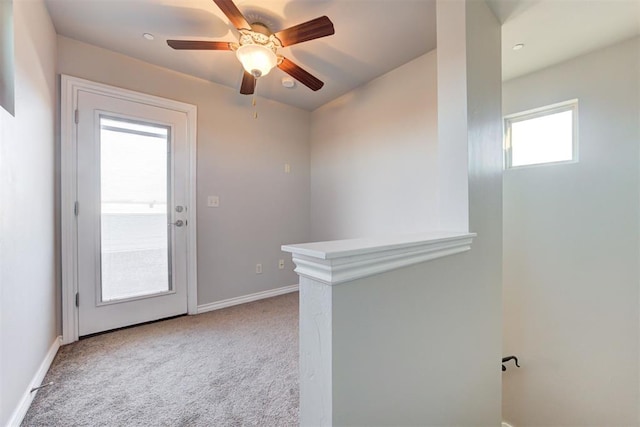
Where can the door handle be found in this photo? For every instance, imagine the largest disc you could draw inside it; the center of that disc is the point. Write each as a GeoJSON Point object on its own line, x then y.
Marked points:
{"type": "Point", "coordinates": [178, 223]}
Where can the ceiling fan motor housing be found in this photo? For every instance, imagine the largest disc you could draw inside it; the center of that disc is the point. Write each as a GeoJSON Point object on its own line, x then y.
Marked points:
{"type": "Point", "coordinates": [259, 27]}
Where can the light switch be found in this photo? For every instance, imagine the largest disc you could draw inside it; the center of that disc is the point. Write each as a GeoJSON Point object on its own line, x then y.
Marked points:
{"type": "Point", "coordinates": [287, 168]}
{"type": "Point", "coordinates": [213, 201]}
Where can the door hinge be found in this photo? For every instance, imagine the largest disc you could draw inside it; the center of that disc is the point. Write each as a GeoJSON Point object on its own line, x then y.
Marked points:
{"type": "Point", "coordinates": [76, 116]}
{"type": "Point", "coordinates": [77, 299]}
{"type": "Point", "coordinates": [76, 208]}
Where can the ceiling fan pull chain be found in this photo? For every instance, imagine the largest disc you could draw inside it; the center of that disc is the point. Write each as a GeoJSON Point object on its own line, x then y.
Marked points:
{"type": "Point", "coordinates": [253, 101]}
{"type": "Point", "coordinates": [255, 111]}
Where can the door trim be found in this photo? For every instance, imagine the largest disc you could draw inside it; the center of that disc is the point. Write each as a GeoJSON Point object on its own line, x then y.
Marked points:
{"type": "Point", "coordinates": [70, 86]}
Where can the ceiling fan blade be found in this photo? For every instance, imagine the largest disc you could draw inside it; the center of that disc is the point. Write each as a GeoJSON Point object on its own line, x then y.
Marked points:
{"type": "Point", "coordinates": [248, 85]}
{"type": "Point", "coordinates": [198, 45]}
{"type": "Point", "coordinates": [232, 12]}
{"type": "Point", "coordinates": [300, 75]}
{"type": "Point", "coordinates": [314, 29]}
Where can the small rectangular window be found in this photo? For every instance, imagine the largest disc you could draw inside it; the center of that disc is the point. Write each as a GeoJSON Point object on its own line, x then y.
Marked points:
{"type": "Point", "coordinates": [541, 136]}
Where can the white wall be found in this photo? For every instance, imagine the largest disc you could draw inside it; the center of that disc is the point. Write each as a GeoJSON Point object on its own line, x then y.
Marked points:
{"type": "Point", "coordinates": [374, 156]}
{"type": "Point", "coordinates": [453, 150]}
{"type": "Point", "coordinates": [419, 345]}
{"type": "Point", "coordinates": [28, 287]}
{"type": "Point", "coordinates": [239, 158]}
{"type": "Point", "coordinates": [571, 252]}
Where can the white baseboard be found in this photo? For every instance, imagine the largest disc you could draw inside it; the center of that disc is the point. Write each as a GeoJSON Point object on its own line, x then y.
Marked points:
{"type": "Point", "coordinates": [246, 298]}
{"type": "Point", "coordinates": [27, 397]}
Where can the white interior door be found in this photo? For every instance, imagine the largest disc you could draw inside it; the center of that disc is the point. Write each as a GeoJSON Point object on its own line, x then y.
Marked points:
{"type": "Point", "coordinates": [132, 172]}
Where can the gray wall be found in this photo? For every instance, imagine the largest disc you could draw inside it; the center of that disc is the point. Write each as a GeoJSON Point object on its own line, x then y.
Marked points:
{"type": "Point", "coordinates": [444, 315]}
{"type": "Point", "coordinates": [28, 285]}
{"type": "Point", "coordinates": [7, 90]}
{"type": "Point", "coordinates": [571, 251]}
{"type": "Point", "coordinates": [374, 157]}
{"type": "Point", "coordinates": [239, 158]}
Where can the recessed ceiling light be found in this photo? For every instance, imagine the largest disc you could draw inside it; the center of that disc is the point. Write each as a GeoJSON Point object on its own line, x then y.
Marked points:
{"type": "Point", "coordinates": [518, 46]}
{"type": "Point", "coordinates": [148, 36]}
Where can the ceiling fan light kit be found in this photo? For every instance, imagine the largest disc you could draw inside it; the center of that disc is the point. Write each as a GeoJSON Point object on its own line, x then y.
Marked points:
{"type": "Point", "coordinates": [257, 47]}
{"type": "Point", "coordinates": [257, 60]}
{"type": "Point", "coordinates": [257, 51]}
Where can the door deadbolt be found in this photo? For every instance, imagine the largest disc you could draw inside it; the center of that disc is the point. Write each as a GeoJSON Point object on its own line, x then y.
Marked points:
{"type": "Point", "coordinates": [179, 208]}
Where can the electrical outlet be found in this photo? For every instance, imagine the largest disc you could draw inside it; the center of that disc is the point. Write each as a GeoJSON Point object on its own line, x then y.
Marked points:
{"type": "Point", "coordinates": [213, 201]}
{"type": "Point", "coordinates": [281, 264]}
{"type": "Point", "coordinates": [258, 268]}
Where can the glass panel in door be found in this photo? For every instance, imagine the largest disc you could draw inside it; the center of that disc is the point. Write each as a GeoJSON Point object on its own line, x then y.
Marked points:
{"type": "Point", "coordinates": [134, 191]}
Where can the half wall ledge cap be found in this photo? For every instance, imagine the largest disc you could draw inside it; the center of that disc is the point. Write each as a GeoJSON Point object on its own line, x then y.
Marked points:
{"type": "Point", "coordinates": [341, 261]}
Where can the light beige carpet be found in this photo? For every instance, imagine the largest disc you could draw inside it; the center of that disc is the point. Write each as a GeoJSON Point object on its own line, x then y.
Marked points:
{"type": "Point", "coordinates": [233, 367]}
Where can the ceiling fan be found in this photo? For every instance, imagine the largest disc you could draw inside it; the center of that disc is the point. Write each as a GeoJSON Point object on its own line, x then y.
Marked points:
{"type": "Point", "coordinates": [257, 46]}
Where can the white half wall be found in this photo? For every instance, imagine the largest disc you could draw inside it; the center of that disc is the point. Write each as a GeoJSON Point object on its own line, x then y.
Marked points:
{"type": "Point", "coordinates": [239, 159]}
{"type": "Point", "coordinates": [571, 252]}
{"type": "Point", "coordinates": [421, 344]}
{"type": "Point", "coordinates": [415, 347]}
{"type": "Point", "coordinates": [374, 157]}
{"type": "Point", "coordinates": [29, 292]}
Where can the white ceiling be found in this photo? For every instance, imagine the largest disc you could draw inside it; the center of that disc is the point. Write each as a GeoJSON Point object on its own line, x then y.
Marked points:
{"type": "Point", "coordinates": [556, 30]}
{"type": "Point", "coordinates": [372, 36]}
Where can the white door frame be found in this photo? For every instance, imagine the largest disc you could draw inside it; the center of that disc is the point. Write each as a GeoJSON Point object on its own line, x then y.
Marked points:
{"type": "Point", "coordinates": [70, 86]}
